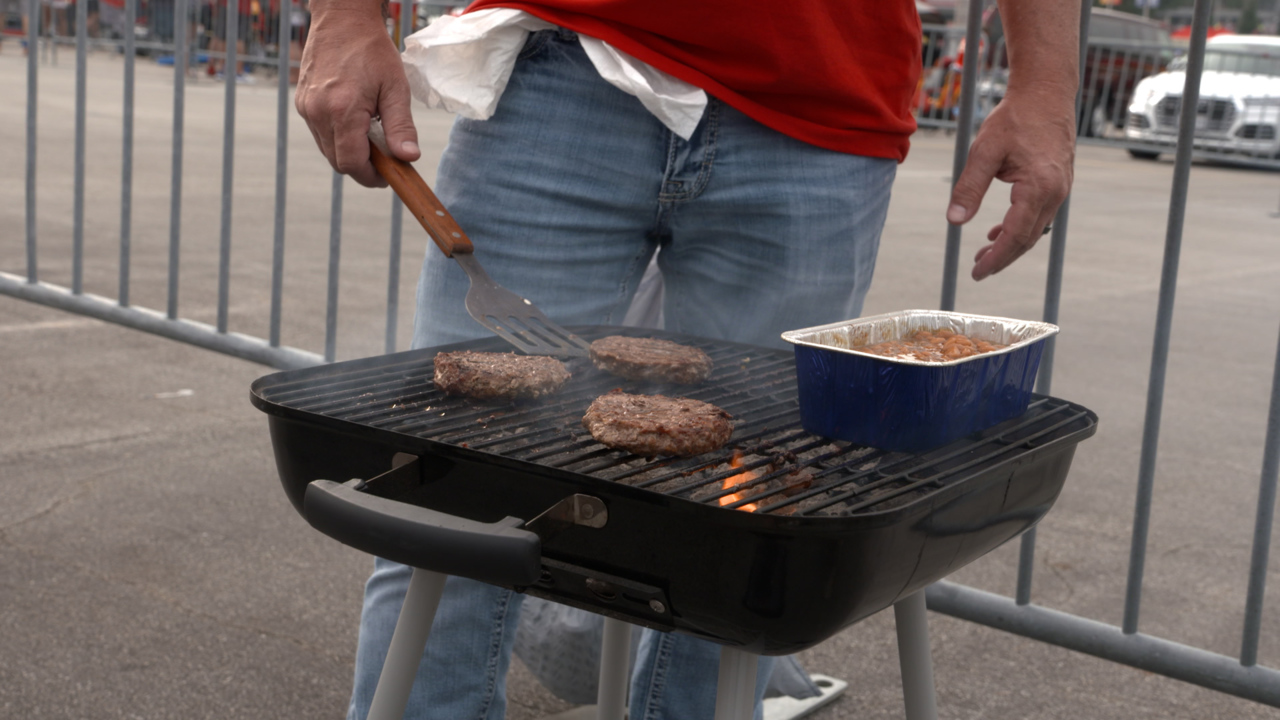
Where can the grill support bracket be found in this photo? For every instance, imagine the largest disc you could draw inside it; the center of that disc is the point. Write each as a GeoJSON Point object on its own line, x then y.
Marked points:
{"type": "Point", "coordinates": [577, 509]}
{"type": "Point", "coordinates": [736, 685]}
{"type": "Point", "coordinates": [407, 645]}
{"type": "Point", "coordinates": [915, 657]}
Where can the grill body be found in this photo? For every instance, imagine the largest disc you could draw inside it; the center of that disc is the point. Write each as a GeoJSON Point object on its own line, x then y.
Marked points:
{"type": "Point", "coordinates": [872, 528]}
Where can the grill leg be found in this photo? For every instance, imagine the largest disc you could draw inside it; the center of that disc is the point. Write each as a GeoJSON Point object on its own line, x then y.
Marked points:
{"type": "Point", "coordinates": [736, 688]}
{"type": "Point", "coordinates": [615, 657]}
{"type": "Point", "coordinates": [913, 655]}
{"type": "Point", "coordinates": [407, 644]}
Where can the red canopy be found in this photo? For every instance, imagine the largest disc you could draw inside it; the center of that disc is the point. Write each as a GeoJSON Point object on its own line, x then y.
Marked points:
{"type": "Point", "coordinates": [1184, 32]}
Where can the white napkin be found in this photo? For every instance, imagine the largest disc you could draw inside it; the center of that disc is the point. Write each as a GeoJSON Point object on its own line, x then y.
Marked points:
{"type": "Point", "coordinates": [462, 65]}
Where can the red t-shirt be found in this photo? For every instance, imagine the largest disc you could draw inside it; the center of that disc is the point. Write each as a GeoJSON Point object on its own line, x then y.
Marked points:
{"type": "Point", "coordinates": [838, 74]}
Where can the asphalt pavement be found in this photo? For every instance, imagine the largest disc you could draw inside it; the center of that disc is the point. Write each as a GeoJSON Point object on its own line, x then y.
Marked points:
{"type": "Point", "coordinates": [151, 567]}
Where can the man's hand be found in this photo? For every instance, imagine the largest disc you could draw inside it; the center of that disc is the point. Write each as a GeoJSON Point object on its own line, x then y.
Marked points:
{"type": "Point", "coordinates": [1029, 139]}
{"type": "Point", "coordinates": [351, 73]}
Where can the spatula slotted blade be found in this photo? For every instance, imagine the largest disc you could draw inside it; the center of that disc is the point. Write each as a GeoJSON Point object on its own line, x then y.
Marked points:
{"type": "Point", "coordinates": [510, 316]}
{"type": "Point", "coordinates": [514, 318]}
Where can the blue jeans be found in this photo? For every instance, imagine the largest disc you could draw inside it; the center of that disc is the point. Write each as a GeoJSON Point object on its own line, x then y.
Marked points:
{"type": "Point", "coordinates": [567, 192]}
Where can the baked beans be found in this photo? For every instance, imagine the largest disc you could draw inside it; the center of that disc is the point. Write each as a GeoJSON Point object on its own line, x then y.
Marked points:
{"type": "Point", "coordinates": [932, 346]}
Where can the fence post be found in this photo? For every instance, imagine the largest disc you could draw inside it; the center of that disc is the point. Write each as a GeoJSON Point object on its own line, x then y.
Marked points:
{"type": "Point", "coordinates": [1164, 317]}
{"type": "Point", "coordinates": [175, 179]}
{"type": "Point", "coordinates": [964, 132]}
{"type": "Point", "coordinates": [126, 153]}
{"type": "Point", "coordinates": [284, 68]}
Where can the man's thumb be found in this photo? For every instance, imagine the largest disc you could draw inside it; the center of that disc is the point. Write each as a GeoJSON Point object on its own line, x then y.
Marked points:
{"type": "Point", "coordinates": [969, 189]}
{"type": "Point", "coordinates": [397, 124]}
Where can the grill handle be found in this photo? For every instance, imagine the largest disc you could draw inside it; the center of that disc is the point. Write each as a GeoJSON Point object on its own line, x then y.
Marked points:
{"type": "Point", "coordinates": [496, 553]}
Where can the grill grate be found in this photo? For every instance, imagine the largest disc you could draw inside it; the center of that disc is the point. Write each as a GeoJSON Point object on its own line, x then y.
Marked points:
{"type": "Point", "coordinates": [770, 463]}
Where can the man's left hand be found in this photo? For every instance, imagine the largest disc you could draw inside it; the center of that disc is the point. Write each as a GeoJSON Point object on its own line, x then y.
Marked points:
{"type": "Point", "coordinates": [1029, 141]}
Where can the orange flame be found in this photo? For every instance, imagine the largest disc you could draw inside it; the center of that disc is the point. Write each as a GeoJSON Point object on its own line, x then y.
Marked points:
{"type": "Point", "coordinates": [735, 480]}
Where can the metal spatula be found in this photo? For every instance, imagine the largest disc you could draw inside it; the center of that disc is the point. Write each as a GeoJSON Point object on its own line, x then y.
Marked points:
{"type": "Point", "coordinates": [511, 317]}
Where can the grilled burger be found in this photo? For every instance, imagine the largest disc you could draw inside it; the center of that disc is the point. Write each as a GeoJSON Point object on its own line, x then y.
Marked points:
{"type": "Point", "coordinates": [489, 375]}
{"type": "Point", "coordinates": [651, 425]}
{"type": "Point", "coordinates": [651, 359]}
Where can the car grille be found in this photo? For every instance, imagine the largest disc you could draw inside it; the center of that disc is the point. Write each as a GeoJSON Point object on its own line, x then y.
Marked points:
{"type": "Point", "coordinates": [1257, 132]}
{"type": "Point", "coordinates": [1218, 113]}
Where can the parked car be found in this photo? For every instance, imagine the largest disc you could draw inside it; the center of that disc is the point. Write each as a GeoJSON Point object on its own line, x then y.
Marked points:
{"type": "Point", "coordinates": [1239, 106]}
{"type": "Point", "coordinates": [1123, 48]}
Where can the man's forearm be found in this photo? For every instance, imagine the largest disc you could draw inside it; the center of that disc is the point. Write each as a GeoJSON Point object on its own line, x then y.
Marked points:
{"type": "Point", "coordinates": [1043, 42]}
{"type": "Point", "coordinates": [359, 8]}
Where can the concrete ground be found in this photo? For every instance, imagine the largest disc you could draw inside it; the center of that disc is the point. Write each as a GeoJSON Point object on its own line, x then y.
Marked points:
{"type": "Point", "coordinates": [150, 566]}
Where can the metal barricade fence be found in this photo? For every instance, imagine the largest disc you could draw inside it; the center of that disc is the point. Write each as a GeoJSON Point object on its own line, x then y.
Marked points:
{"type": "Point", "coordinates": [183, 55]}
{"type": "Point", "coordinates": [937, 100]}
{"type": "Point", "coordinates": [1124, 644]}
{"type": "Point", "coordinates": [1103, 102]}
{"type": "Point", "coordinates": [1238, 119]}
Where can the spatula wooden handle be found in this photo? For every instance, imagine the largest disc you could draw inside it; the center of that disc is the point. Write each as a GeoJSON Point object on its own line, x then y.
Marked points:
{"type": "Point", "coordinates": [419, 198]}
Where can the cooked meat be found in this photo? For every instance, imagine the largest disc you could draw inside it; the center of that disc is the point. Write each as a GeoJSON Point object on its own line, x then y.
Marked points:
{"type": "Point", "coordinates": [486, 375]}
{"type": "Point", "coordinates": [652, 425]}
{"type": "Point", "coordinates": [650, 359]}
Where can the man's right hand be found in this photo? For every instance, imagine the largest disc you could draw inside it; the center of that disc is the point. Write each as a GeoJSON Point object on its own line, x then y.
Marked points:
{"type": "Point", "coordinates": [351, 73]}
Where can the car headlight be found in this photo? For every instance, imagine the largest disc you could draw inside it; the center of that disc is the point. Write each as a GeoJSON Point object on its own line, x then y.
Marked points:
{"type": "Point", "coordinates": [1261, 102]}
{"type": "Point", "coordinates": [1143, 94]}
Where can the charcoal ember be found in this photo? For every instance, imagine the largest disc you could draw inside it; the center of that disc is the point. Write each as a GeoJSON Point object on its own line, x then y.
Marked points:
{"type": "Point", "coordinates": [746, 485]}
{"type": "Point", "coordinates": [653, 425]}
{"type": "Point", "coordinates": [780, 487]}
{"type": "Point", "coordinates": [738, 485]}
{"type": "Point", "coordinates": [651, 359]}
{"type": "Point", "coordinates": [506, 376]}
{"type": "Point", "coordinates": [796, 482]}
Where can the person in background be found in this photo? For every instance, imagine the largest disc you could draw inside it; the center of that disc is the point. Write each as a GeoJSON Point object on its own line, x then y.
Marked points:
{"type": "Point", "coordinates": [160, 14]}
{"type": "Point", "coordinates": [298, 19]}
{"type": "Point", "coordinates": [218, 43]}
{"type": "Point", "coordinates": [754, 155]}
{"type": "Point", "coordinates": [299, 23]}
{"type": "Point", "coordinates": [92, 19]}
{"type": "Point", "coordinates": [55, 18]}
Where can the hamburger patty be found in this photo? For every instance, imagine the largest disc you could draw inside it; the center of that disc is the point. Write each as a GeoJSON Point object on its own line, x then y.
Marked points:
{"type": "Point", "coordinates": [650, 359]}
{"type": "Point", "coordinates": [488, 375]}
{"type": "Point", "coordinates": [652, 425]}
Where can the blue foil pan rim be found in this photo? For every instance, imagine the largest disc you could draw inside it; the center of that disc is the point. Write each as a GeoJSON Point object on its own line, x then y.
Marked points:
{"type": "Point", "coordinates": [846, 335]}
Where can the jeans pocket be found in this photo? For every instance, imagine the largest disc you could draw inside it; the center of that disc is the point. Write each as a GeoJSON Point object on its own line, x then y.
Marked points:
{"type": "Point", "coordinates": [535, 43]}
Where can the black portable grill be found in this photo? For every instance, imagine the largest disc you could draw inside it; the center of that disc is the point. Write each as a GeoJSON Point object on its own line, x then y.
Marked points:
{"type": "Point", "coordinates": [771, 545]}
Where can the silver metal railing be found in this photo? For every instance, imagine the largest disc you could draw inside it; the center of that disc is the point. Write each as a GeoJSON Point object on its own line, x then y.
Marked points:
{"type": "Point", "coordinates": [1238, 123]}
{"type": "Point", "coordinates": [1124, 644]}
{"type": "Point", "coordinates": [976, 82]}
{"type": "Point", "coordinates": [170, 324]}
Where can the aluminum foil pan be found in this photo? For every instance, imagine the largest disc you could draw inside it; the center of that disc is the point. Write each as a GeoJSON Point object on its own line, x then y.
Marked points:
{"type": "Point", "coordinates": [901, 403]}
{"type": "Point", "coordinates": [849, 335]}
